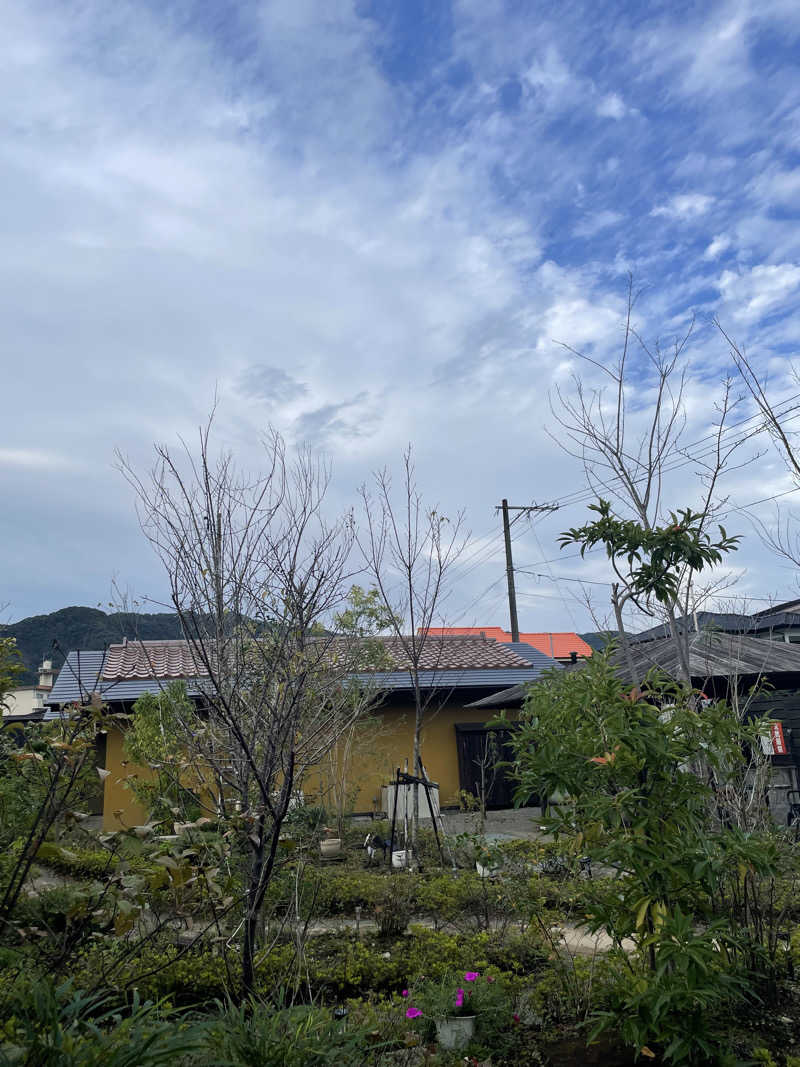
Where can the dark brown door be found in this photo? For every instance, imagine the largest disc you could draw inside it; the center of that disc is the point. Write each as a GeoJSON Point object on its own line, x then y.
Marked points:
{"type": "Point", "coordinates": [482, 753]}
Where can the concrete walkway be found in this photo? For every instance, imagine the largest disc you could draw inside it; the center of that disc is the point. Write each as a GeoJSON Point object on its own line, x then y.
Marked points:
{"type": "Point", "coordinates": [520, 824]}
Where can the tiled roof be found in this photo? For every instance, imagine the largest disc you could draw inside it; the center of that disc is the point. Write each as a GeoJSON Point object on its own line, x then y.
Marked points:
{"type": "Point", "coordinates": [151, 659]}
{"type": "Point", "coordinates": [558, 645]}
{"type": "Point", "coordinates": [126, 671]}
{"type": "Point", "coordinates": [175, 659]}
{"type": "Point", "coordinates": [453, 653]}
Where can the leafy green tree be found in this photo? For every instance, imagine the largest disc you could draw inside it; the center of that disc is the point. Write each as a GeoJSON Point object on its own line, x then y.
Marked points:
{"type": "Point", "coordinates": [650, 561]}
{"type": "Point", "coordinates": [11, 669]}
{"type": "Point", "coordinates": [623, 772]}
{"type": "Point", "coordinates": [43, 784]}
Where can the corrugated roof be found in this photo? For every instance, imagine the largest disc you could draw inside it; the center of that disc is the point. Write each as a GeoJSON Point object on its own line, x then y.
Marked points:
{"type": "Point", "coordinates": [761, 622]}
{"type": "Point", "coordinates": [711, 655]}
{"type": "Point", "coordinates": [558, 645]}
{"type": "Point", "coordinates": [715, 655]}
{"type": "Point", "coordinates": [78, 678]}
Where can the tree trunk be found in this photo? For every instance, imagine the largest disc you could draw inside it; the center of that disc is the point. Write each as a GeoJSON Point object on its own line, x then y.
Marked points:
{"type": "Point", "coordinates": [415, 787]}
{"type": "Point", "coordinates": [260, 874]}
{"type": "Point", "coordinates": [623, 637]}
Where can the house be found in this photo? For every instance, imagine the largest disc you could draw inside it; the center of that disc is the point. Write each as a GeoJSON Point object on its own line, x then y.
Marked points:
{"type": "Point", "coordinates": [456, 671]}
{"type": "Point", "coordinates": [28, 701]}
{"type": "Point", "coordinates": [778, 623]}
{"type": "Point", "coordinates": [565, 647]}
{"type": "Point", "coordinates": [763, 675]}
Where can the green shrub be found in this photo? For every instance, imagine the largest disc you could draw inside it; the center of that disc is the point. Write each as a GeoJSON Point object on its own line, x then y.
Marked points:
{"type": "Point", "coordinates": [78, 863]}
{"type": "Point", "coordinates": [59, 1026]}
{"type": "Point", "coordinates": [349, 968]}
{"type": "Point", "coordinates": [394, 906]}
{"type": "Point", "coordinates": [342, 892]}
{"type": "Point", "coordinates": [54, 908]}
{"type": "Point", "coordinates": [249, 1036]}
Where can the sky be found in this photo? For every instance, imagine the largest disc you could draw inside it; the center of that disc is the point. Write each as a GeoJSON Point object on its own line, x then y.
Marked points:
{"type": "Point", "coordinates": [371, 223]}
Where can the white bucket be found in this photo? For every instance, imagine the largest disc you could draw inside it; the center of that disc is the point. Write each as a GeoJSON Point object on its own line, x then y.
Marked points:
{"type": "Point", "coordinates": [455, 1031]}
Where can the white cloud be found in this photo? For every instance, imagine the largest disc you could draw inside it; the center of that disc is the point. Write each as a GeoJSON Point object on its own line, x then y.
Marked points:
{"type": "Point", "coordinates": [760, 290]}
{"type": "Point", "coordinates": [33, 459]}
{"type": "Point", "coordinates": [594, 224]}
{"type": "Point", "coordinates": [550, 77]}
{"type": "Point", "coordinates": [777, 187]}
{"type": "Point", "coordinates": [612, 106]}
{"type": "Point", "coordinates": [721, 243]}
{"type": "Point", "coordinates": [684, 206]}
{"type": "Point", "coordinates": [366, 249]}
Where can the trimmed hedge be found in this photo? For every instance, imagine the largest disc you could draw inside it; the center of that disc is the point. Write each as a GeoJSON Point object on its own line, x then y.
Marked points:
{"type": "Point", "coordinates": [335, 966]}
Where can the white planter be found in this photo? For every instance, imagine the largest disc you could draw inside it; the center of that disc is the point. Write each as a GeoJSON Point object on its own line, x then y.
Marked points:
{"type": "Point", "coordinates": [330, 846]}
{"type": "Point", "coordinates": [486, 872]}
{"type": "Point", "coordinates": [401, 859]}
{"type": "Point", "coordinates": [405, 801]}
{"type": "Point", "coordinates": [456, 1031]}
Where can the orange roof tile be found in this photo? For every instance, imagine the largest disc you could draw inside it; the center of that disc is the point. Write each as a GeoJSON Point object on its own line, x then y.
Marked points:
{"type": "Point", "coordinates": [557, 645]}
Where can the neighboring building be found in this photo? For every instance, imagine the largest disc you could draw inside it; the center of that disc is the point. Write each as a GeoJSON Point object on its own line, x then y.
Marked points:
{"type": "Point", "coordinates": [460, 669]}
{"type": "Point", "coordinates": [778, 623]}
{"type": "Point", "coordinates": [29, 700]}
{"type": "Point", "coordinates": [565, 647]}
{"type": "Point", "coordinates": [762, 675]}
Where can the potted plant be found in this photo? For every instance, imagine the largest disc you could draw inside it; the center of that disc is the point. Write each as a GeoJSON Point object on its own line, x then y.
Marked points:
{"type": "Point", "coordinates": [453, 1004]}
{"type": "Point", "coordinates": [488, 858]}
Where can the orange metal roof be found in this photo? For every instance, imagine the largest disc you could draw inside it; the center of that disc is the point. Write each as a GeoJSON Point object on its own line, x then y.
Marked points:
{"type": "Point", "coordinates": [556, 645]}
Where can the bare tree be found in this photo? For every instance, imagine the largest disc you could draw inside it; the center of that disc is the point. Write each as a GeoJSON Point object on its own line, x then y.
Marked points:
{"type": "Point", "coordinates": [783, 535]}
{"type": "Point", "coordinates": [255, 572]}
{"type": "Point", "coordinates": [408, 551]}
{"type": "Point", "coordinates": [627, 449]}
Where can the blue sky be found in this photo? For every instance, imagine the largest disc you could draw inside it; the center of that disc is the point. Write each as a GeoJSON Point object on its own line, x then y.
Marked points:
{"type": "Point", "coordinates": [369, 223]}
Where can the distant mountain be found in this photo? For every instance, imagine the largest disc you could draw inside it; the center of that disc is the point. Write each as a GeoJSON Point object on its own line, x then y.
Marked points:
{"type": "Point", "coordinates": [598, 641]}
{"type": "Point", "coordinates": [83, 628]}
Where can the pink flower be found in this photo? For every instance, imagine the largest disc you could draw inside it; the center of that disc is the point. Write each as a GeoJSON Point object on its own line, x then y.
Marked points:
{"type": "Point", "coordinates": [489, 978]}
{"type": "Point", "coordinates": [515, 1017]}
{"type": "Point", "coordinates": [413, 1013]}
{"type": "Point", "coordinates": [459, 998]}
{"type": "Point", "coordinates": [404, 993]}
{"type": "Point", "coordinates": [470, 976]}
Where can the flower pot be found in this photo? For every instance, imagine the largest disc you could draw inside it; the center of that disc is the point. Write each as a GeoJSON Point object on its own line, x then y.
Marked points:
{"type": "Point", "coordinates": [455, 1031]}
{"type": "Point", "coordinates": [330, 846]}
{"type": "Point", "coordinates": [402, 858]}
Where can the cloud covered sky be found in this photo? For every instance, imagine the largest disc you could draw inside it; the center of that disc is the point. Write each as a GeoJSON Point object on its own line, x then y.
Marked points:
{"type": "Point", "coordinates": [369, 223]}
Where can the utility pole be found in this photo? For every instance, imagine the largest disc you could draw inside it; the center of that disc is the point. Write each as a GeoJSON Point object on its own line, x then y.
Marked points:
{"type": "Point", "coordinates": [512, 594]}
{"type": "Point", "coordinates": [523, 509]}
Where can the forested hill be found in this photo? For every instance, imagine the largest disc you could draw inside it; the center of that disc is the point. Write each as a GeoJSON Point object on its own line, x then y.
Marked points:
{"type": "Point", "coordinates": [84, 628]}
{"type": "Point", "coordinates": [597, 639]}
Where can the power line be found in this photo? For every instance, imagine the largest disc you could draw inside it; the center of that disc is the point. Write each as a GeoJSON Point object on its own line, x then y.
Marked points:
{"type": "Point", "coordinates": [522, 509]}
{"type": "Point", "coordinates": [580, 495]}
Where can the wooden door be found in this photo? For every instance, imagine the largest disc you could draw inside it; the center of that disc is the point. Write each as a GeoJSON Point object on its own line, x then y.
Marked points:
{"type": "Point", "coordinates": [481, 754]}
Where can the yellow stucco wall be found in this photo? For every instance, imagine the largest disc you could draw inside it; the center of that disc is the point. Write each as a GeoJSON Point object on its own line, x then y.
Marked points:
{"type": "Point", "coordinates": [374, 762]}
{"type": "Point", "coordinates": [117, 795]}
{"type": "Point", "coordinates": [376, 753]}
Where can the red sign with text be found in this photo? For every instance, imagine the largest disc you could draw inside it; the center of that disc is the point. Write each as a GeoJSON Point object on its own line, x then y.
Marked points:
{"type": "Point", "coordinates": [779, 746]}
